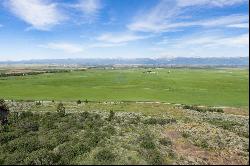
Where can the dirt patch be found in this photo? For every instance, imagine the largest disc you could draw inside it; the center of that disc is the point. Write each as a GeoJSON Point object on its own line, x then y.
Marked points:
{"type": "Point", "coordinates": [237, 111]}
{"type": "Point", "coordinates": [196, 155]}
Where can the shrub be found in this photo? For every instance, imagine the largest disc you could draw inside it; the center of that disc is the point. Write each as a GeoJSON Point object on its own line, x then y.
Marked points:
{"type": "Point", "coordinates": [25, 114]}
{"type": "Point", "coordinates": [202, 143]}
{"type": "Point", "coordinates": [156, 158]}
{"type": "Point", "coordinates": [4, 112]}
{"type": "Point", "coordinates": [25, 144]}
{"type": "Point", "coordinates": [1, 160]}
{"type": "Point", "coordinates": [29, 126]}
{"type": "Point", "coordinates": [94, 138]}
{"type": "Point", "coordinates": [186, 107]}
{"type": "Point", "coordinates": [8, 136]}
{"type": "Point", "coordinates": [83, 148]}
{"type": "Point", "coordinates": [225, 124]}
{"type": "Point", "coordinates": [66, 153]}
{"type": "Point", "coordinates": [105, 155]}
{"type": "Point", "coordinates": [154, 121]}
{"type": "Point", "coordinates": [2, 101]}
{"type": "Point", "coordinates": [185, 135]}
{"type": "Point", "coordinates": [15, 158]}
{"type": "Point", "coordinates": [147, 141]}
{"type": "Point", "coordinates": [85, 115]}
{"type": "Point", "coordinates": [165, 141]}
{"type": "Point", "coordinates": [148, 144]}
{"type": "Point", "coordinates": [110, 130]}
{"type": "Point", "coordinates": [111, 115]}
{"type": "Point", "coordinates": [38, 103]}
{"type": "Point", "coordinates": [62, 137]}
{"type": "Point", "coordinates": [203, 109]}
{"type": "Point", "coordinates": [61, 109]}
{"type": "Point", "coordinates": [134, 120]}
{"type": "Point", "coordinates": [78, 101]}
{"type": "Point", "coordinates": [41, 157]}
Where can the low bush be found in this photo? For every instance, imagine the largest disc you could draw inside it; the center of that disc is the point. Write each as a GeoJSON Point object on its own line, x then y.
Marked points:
{"type": "Point", "coordinates": [166, 142]}
{"type": "Point", "coordinates": [105, 155]}
{"type": "Point", "coordinates": [201, 143]}
{"type": "Point", "coordinates": [159, 121]}
{"type": "Point", "coordinates": [225, 124]}
{"type": "Point", "coordinates": [28, 126]}
{"type": "Point", "coordinates": [41, 157]}
{"type": "Point", "coordinates": [147, 141]}
{"type": "Point", "coordinates": [203, 109]}
{"type": "Point", "coordinates": [78, 102]}
{"type": "Point", "coordinates": [156, 158]}
{"type": "Point", "coordinates": [61, 109]}
{"type": "Point", "coordinates": [111, 115]}
{"type": "Point", "coordinates": [185, 135]}
{"type": "Point", "coordinates": [38, 103]}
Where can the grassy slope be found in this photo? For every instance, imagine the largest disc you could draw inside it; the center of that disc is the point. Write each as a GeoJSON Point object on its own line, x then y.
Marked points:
{"type": "Point", "coordinates": [227, 87]}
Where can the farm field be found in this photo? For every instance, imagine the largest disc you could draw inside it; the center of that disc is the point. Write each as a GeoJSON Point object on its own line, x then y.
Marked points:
{"type": "Point", "coordinates": [210, 87]}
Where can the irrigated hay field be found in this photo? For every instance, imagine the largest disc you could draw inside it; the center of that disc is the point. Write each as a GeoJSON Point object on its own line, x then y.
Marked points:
{"type": "Point", "coordinates": [214, 87]}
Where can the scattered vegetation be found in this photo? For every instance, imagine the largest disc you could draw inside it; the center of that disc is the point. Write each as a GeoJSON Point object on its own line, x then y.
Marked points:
{"type": "Point", "coordinates": [203, 109]}
{"type": "Point", "coordinates": [59, 138]}
{"type": "Point", "coordinates": [71, 133]}
{"type": "Point", "coordinates": [32, 73]}
{"type": "Point", "coordinates": [154, 121]}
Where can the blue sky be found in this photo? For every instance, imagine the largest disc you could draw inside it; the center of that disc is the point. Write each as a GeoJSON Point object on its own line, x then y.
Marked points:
{"type": "Point", "coordinates": [49, 29]}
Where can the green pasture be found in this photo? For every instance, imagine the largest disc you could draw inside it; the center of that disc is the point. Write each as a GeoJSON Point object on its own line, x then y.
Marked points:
{"type": "Point", "coordinates": [213, 87]}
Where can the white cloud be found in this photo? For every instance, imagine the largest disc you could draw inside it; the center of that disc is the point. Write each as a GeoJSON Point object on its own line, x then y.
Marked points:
{"type": "Point", "coordinates": [205, 45]}
{"type": "Point", "coordinates": [209, 40]}
{"type": "Point", "coordinates": [242, 40]}
{"type": "Point", "coordinates": [225, 20]}
{"type": "Point", "coordinates": [242, 25]}
{"type": "Point", "coordinates": [40, 14]}
{"type": "Point", "coordinates": [217, 3]}
{"type": "Point", "coordinates": [65, 47]}
{"type": "Point", "coordinates": [120, 38]}
{"type": "Point", "coordinates": [234, 21]}
{"type": "Point", "coordinates": [73, 48]}
{"type": "Point", "coordinates": [89, 8]}
{"type": "Point", "coordinates": [216, 41]}
{"type": "Point", "coordinates": [163, 16]}
{"type": "Point", "coordinates": [106, 45]}
{"type": "Point", "coordinates": [156, 19]}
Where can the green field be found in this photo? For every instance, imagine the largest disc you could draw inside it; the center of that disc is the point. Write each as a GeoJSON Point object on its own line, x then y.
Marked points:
{"type": "Point", "coordinates": [214, 87]}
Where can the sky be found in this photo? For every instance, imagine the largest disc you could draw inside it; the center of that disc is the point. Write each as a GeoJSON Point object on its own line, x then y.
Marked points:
{"type": "Point", "coordinates": [60, 29]}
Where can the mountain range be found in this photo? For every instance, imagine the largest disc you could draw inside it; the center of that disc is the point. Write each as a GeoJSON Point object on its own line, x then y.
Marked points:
{"type": "Point", "coordinates": [179, 61]}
